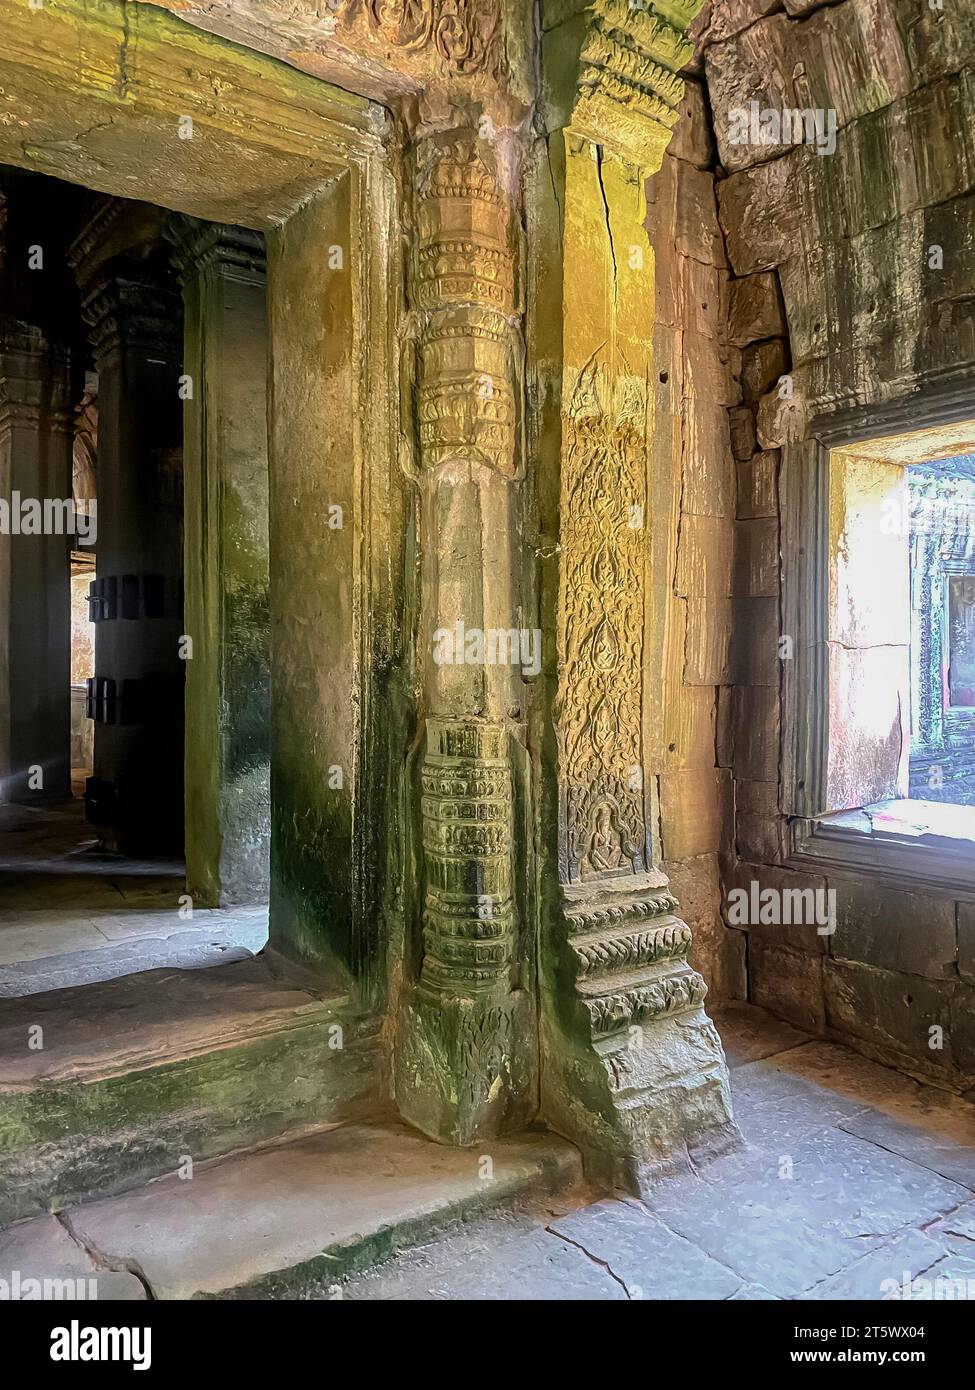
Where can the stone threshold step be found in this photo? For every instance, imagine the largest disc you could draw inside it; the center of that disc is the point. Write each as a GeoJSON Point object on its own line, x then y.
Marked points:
{"type": "Point", "coordinates": [95, 1031]}
{"type": "Point", "coordinates": [133, 1073]}
{"type": "Point", "coordinates": [274, 1222]}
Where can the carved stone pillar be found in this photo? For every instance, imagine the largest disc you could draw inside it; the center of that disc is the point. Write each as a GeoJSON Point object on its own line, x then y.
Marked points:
{"type": "Point", "coordinates": [225, 486]}
{"type": "Point", "coordinates": [632, 1069]}
{"type": "Point", "coordinates": [132, 305]}
{"type": "Point", "coordinates": [35, 603]}
{"type": "Point", "coordinates": [464, 1056]}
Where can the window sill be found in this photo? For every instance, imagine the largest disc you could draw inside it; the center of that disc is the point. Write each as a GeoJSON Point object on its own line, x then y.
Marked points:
{"type": "Point", "coordinates": [910, 843]}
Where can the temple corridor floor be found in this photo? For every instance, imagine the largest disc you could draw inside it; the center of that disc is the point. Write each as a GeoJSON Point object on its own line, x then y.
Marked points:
{"type": "Point", "coordinates": [853, 1175]}
{"type": "Point", "coordinates": [71, 914]}
{"type": "Point", "coordinates": [854, 1182]}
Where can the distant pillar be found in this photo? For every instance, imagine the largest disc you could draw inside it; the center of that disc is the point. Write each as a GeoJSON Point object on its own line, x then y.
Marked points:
{"type": "Point", "coordinates": [225, 479]}
{"type": "Point", "coordinates": [35, 595]}
{"type": "Point", "coordinates": [136, 694]}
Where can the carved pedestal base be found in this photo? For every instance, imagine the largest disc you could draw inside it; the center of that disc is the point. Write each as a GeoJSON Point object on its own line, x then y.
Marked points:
{"type": "Point", "coordinates": [461, 1072]}
{"type": "Point", "coordinates": [642, 1086]}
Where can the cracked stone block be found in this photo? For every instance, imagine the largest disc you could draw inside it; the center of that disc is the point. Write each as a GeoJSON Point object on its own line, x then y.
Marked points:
{"type": "Point", "coordinates": [947, 1146]}
{"type": "Point", "coordinates": [870, 1278]}
{"type": "Point", "coordinates": [791, 1220]}
{"type": "Point", "coordinates": [951, 1279]}
{"type": "Point", "coordinates": [651, 1260]}
{"type": "Point", "coordinates": [956, 1231]}
{"type": "Point", "coordinates": [43, 1250]}
{"type": "Point", "coordinates": [537, 1267]}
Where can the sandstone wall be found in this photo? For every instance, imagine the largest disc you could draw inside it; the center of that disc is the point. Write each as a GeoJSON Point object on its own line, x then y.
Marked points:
{"type": "Point", "coordinates": [692, 530]}
{"type": "Point", "coordinates": [833, 278]}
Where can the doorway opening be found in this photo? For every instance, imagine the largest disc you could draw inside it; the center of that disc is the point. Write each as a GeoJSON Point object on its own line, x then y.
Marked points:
{"type": "Point", "coordinates": [96, 650]}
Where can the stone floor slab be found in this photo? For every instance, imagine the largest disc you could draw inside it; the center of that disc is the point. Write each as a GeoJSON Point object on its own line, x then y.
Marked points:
{"type": "Point", "coordinates": [534, 1267]}
{"type": "Point", "coordinates": [749, 1034]}
{"type": "Point", "coordinates": [648, 1258]}
{"type": "Point", "coordinates": [791, 1221]}
{"type": "Point", "coordinates": [870, 1279]}
{"type": "Point", "coordinates": [935, 1130]}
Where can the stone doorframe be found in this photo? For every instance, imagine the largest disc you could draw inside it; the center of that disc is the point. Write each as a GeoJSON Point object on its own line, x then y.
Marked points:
{"type": "Point", "coordinates": [415, 879]}
{"type": "Point", "coordinates": [129, 101]}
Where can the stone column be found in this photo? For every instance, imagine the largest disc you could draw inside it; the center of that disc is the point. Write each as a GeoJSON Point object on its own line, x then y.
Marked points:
{"type": "Point", "coordinates": [133, 308]}
{"type": "Point", "coordinates": [466, 1037]}
{"type": "Point", "coordinates": [225, 484]}
{"type": "Point", "coordinates": [35, 595]}
{"type": "Point", "coordinates": [632, 1068]}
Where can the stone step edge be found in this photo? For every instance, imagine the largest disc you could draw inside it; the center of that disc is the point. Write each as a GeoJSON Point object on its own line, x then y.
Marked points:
{"type": "Point", "coordinates": [559, 1171]}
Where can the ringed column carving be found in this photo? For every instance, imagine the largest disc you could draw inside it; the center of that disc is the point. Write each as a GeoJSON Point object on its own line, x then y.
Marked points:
{"type": "Point", "coordinates": [464, 1067]}
{"type": "Point", "coordinates": [632, 1068]}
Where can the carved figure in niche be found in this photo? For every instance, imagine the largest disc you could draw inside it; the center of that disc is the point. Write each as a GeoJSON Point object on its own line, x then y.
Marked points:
{"type": "Point", "coordinates": [605, 850]}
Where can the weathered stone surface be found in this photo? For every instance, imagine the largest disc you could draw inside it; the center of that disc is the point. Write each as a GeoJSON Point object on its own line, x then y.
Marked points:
{"type": "Point", "coordinates": [758, 485]}
{"type": "Point", "coordinates": [963, 1027]}
{"type": "Point", "coordinates": [717, 952]}
{"type": "Point", "coordinates": [788, 983]}
{"type": "Point", "coordinates": [43, 1251]}
{"type": "Point", "coordinates": [782, 417]}
{"type": "Point", "coordinates": [840, 1199]}
{"type": "Point", "coordinates": [648, 1258]}
{"type": "Point", "coordinates": [755, 309]}
{"type": "Point", "coordinates": [749, 1034]}
{"type": "Point", "coordinates": [682, 212]}
{"type": "Point", "coordinates": [755, 645]}
{"type": "Point", "coordinates": [704, 556]}
{"type": "Point", "coordinates": [782, 64]}
{"type": "Point", "coordinates": [273, 1220]}
{"type": "Point", "coordinates": [762, 364]}
{"type": "Point", "coordinates": [868, 722]}
{"type": "Point", "coordinates": [693, 138]}
{"type": "Point", "coordinates": [937, 1131]}
{"type": "Point", "coordinates": [909, 932]}
{"type": "Point", "coordinates": [872, 1277]}
{"type": "Point", "coordinates": [743, 438]}
{"type": "Point", "coordinates": [139, 1070]}
{"type": "Point", "coordinates": [756, 726]}
{"type": "Point", "coordinates": [707, 651]}
{"type": "Point", "coordinates": [756, 565]}
{"type": "Point", "coordinates": [694, 811]}
{"type": "Point", "coordinates": [722, 19]}
{"type": "Point", "coordinates": [894, 1011]}
{"type": "Point", "coordinates": [966, 941]}
{"type": "Point", "coordinates": [800, 897]}
{"type": "Point", "coordinates": [762, 838]}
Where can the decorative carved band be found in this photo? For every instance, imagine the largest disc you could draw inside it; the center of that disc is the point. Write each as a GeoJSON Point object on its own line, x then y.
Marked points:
{"type": "Point", "coordinates": [237, 251]}
{"type": "Point", "coordinates": [670, 994]}
{"type": "Point", "coordinates": [125, 313]}
{"type": "Point", "coordinates": [464, 33]}
{"type": "Point", "coordinates": [463, 290]}
{"type": "Point", "coordinates": [593, 917]}
{"type": "Point", "coordinates": [468, 922]}
{"type": "Point", "coordinates": [630, 950]}
{"type": "Point", "coordinates": [629, 88]}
